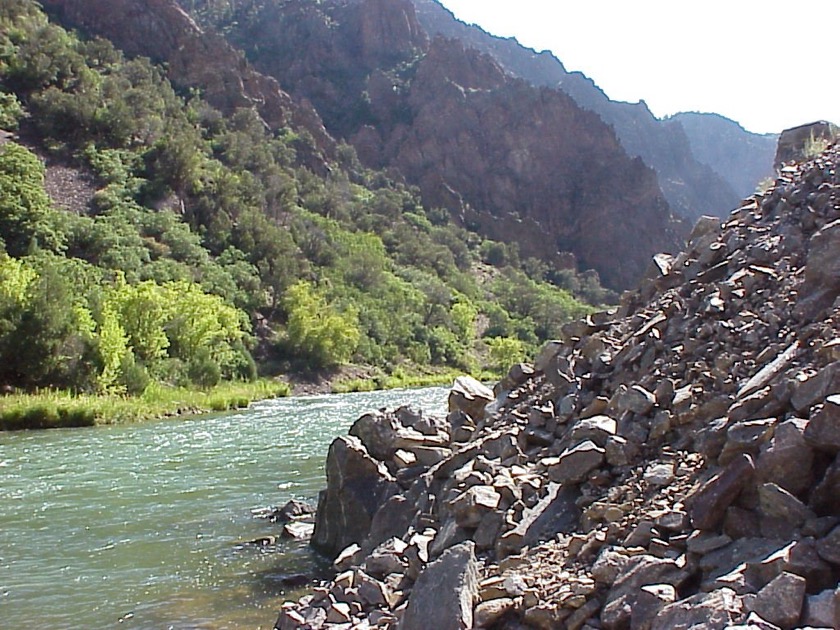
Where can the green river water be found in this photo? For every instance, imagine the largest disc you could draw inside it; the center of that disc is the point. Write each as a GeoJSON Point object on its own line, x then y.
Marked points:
{"type": "Point", "coordinates": [138, 526]}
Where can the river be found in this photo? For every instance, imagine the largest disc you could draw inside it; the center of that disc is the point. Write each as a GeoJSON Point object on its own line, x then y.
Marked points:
{"type": "Point", "coordinates": [140, 526]}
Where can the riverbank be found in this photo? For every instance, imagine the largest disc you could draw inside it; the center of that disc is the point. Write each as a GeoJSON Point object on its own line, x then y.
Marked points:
{"type": "Point", "coordinates": [51, 409]}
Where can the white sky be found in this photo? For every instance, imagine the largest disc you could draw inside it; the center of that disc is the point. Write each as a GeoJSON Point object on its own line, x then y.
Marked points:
{"type": "Point", "coordinates": [768, 64]}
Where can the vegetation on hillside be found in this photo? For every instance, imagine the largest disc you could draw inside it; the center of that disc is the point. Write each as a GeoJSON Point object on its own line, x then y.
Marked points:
{"type": "Point", "coordinates": [208, 242]}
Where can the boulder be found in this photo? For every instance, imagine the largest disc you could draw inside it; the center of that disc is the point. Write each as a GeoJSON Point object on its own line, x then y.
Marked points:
{"type": "Point", "coordinates": [576, 462]}
{"type": "Point", "coordinates": [555, 513]}
{"type": "Point", "coordinates": [357, 486]}
{"type": "Point", "coordinates": [631, 600]}
{"type": "Point", "coordinates": [788, 460]}
{"type": "Point", "coordinates": [780, 601]}
{"type": "Point", "coordinates": [709, 503]}
{"type": "Point", "coordinates": [823, 430]}
{"type": "Point", "coordinates": [711, 611]}
{"type": "Point", "coordinates": [823, 609]}
{"type": "Point", "coordinates": [378, 433]}
{"type": "Point", "coordinates": [470, 396]}
{"type": "Point", "coordinates": [445, 592]}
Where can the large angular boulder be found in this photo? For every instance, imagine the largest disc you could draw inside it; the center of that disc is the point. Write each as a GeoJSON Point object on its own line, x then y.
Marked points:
{"type": "Point", "coordinates": [470, 396]}
{"type": "Point", "coordinates": [357, 486]}
{"type": "Point", "coordinates": [445, 592]}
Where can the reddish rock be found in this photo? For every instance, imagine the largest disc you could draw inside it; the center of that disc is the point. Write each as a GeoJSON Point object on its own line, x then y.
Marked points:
{"type": "Point", "coordinates": [709, 503]}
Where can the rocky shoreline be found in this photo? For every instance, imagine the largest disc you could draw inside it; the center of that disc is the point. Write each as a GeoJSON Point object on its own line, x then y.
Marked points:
{"type": "Point", "coordinates": [671, 464]}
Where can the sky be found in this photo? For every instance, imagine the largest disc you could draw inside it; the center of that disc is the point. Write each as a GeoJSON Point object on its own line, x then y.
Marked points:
{"type": "Point", "coordinates": [766, 64]}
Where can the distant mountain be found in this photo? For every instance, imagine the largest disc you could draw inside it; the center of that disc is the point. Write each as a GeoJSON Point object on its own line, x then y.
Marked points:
{"type": "Point", "coordinates": [740, 157]}
{"type": "Point", "coordinates": [690, 176]}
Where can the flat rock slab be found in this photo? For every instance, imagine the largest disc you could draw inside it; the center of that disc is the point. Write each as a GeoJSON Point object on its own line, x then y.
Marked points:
{"type": "Point", "coordinates": [556, 513]}
{"type": "Point", "coordinates": [823, 431]}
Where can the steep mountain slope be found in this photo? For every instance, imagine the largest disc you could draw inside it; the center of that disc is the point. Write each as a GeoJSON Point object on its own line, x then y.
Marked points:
{"type": "Point", "coordinates": [150, 188]}
{"type": "Point", "coordinates": [741, 158]}
{"type": "Point", "coordinates": [674, 463]}
{"type": "Point", "coordinates": [164, 32]}
{"type": "Point", "coordinates": [508, 159]}
{"type": "Point", "coordinates": [687, 173]}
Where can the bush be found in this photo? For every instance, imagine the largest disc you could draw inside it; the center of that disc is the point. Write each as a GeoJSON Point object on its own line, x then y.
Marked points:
{"type": "Point", "coordinates": [133, 376]}
{"type": "Point", "coordinates": [203, 371]}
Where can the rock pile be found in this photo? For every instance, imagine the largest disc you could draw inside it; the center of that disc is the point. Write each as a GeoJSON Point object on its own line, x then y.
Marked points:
{"type": "Point", "coordinates": [671, 464]}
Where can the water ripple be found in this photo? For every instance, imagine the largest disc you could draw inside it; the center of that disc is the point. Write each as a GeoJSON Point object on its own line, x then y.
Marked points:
{"type": "Point", "coordinates": [139, 525]}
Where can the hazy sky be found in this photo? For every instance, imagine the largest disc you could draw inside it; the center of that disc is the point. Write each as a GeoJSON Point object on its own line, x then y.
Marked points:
{"type": "Point", "coordinates": [768, 64]}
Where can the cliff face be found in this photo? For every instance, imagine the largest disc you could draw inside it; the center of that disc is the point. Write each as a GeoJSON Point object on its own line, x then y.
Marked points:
{"type": "Point", "coordinates": [689, 174]}
{"type": "Point", "coordinates": [513, 161]}
{"type": "Point", "coordinates": [742, 158]}
{"type": "Point", "coordinates": [164, 32]}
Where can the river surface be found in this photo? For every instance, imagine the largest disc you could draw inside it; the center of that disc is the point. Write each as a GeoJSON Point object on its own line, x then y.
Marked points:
{"type": "Point", "coordinates": [140, 526]}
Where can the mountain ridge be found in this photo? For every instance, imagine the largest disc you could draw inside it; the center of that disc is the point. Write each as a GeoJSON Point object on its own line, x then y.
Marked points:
{"type": "Point", "coordinates": [691, 184]}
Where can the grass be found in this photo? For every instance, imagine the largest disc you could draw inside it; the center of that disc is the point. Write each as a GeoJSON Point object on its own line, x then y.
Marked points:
{"type": "Point", "coordinates": [399, 379]}
{"type": "Point", "coordinates": [50, 409]}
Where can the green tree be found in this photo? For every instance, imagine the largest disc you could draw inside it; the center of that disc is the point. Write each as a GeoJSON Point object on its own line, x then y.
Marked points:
{"type": "Point", "coordinates": [26, 218]}
{"type": "Point", "coordinates": [505, 351]}
{"type": "Point", "coordinates": [316, 330]}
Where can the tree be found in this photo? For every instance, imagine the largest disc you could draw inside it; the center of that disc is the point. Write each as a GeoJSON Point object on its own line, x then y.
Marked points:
{"type": "Point", "coordinates": [316, 330]}
{"type": "Point", "coordinates": [26, 217]}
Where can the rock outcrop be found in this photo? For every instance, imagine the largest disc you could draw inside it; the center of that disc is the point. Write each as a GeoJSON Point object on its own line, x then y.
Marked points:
{"type": "Point", "coordinates": [794, 143]}
{"type": "Point", "coordinates": [673, 463]}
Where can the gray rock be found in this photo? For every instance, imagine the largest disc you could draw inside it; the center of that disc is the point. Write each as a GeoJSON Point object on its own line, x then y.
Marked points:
{"type": "Point", "coordinates": [470, 396]}
{"type": "Point", "coordinates": [634, 398]}
{"type": "Point", "coordinates": [823, 430]}
{"type": "Point", "coordinates": [799, 557]}
{"type": "Point", "coordinates": [611, 562]}
{"type": "Point", "coordinates": [782, 512]}
{"type": "Point", "coordinates": [378, 432]}
{"type": "Point", "coordinates": [823, 609]}
{"type": "Point", "coordinates": [780, 601]}
{"type": "Point", "coordinates": [659, 474]}
{"type": "Point", "coordinates": [357, 486]}
{"type": "Point", "coordinates": [754, 622]}
{"type": "Point", "coordinates": [489, 612]}
{"type": "Point", "coordinates": [823, 266]}
{"type": "Point", "coordinates": [788, 460]}
{"type": "Point", "coordinates": [710, 611]}
{"type": "Point", "coordinates": [445, 592]}
{"type": "Point", "coordinates": [627, 594]}
{"type": "Point", "coordinates": [746, 436]}
{"type": "Point", "coordinates": [298, 531]}
{"type": "Point", "coordinates": [708, 505]}
{"type": "Point", "coordinates": [828, 548]}
{"type": "Point", "coordinates": [824, 497]}
{"type": "Point", "coordinates": [472, 505]}
{"type": "Point", "coordinates": [555, 513]}
{"type": "Point", "coordinates": [576, 462]}
{"type": "Point", "coordinates": [598, 429]}
{"type": "Point", "coordinates": [813, 390]}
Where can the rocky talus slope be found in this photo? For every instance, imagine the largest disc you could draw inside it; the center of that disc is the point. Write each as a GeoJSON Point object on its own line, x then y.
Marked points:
{"type": "Point", "coordinates": [671, 464]}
